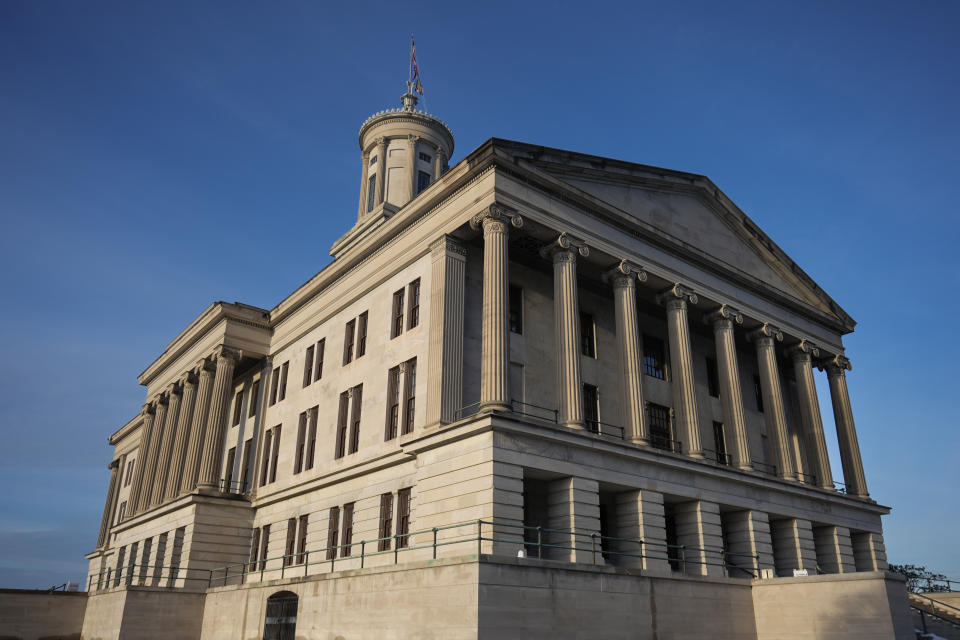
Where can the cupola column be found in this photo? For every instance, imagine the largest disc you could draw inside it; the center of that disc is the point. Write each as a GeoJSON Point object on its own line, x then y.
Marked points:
{"type": "Point", "coordinates": [853, 475]}
{"type": "Point", "coordinates": [774, 415]}
{"type": "Point", "coordinates": [364, 172]}
{"type": "Point", "coordinates": [816, 442]}
{"type": "Point", "coordinates": [412, 163]}
{"type": "Point", "coordinates": [439, 162]}
{"type": "Point", "coordinates": [495, 336]}
{"type": "Point", "coordinates": [675, 300]}
{"type": "Point", "coordinates": [624, 280]}
{"type": "Point", "coordinates": [723, 320]}
{"type": "Point", "coordinates": [217, 422]}
{"type": "Point", "coordinates": [381, 169]}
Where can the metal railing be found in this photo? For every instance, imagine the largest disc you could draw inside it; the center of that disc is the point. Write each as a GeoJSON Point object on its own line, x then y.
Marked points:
{"type": "Point", "coordinates": [234, 486]}
{"type": "Point", "coordinates": [666, 444]}
{"type": "Point", "coordinates": [719, 457]}
{"type": "Point", "coordinates": [144, 575]}
{"type": "Point", "coordinates": [466, 411]}
{"type": "Point", "coordinates": [543, 542]}
{"type": "Point", "coordinates": [839, 486]}
{"type": "Point", "coordinates": [807, 478]}
{"type": "Point", "coordinates": [763, 467]}
{"type": "Point", "coordinates": [534, 411]}
{"type": "Point", "coordinates": [604, 429]}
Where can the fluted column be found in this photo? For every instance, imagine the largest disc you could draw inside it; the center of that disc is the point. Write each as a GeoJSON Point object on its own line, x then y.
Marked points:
{"type": "Point", "coordinates": [773, 412]}
{"type": "Point", "coordinates": [566, 317]}
{"type": "Point", "coordinates": [438, 163]}
{"type": "Point", "coordinates": [150, 464]}
{"type": "Point", "coordinates": [675, 300]}
{"type": "Point", "coordinates": [381, 169]}
{"type": "Point", "coordinates": [723, 321]}
{"type": "Point", "coordinates": [853, 475]}
{"type": "Point", "coordinates": [166, 446]}
{"type": "Point", "coordinates": [412, 163]}
{"type": "Point", "coordinates": [198, 428]}
{"type": "Point", "coordinates": [217, 421]}
{"type": "Point", "coordinates": [495, 336]}
{"type": "Point", "coordinates": [146, 434]}
{"type": "Point", "coordinates": [816, 442]}
{"type": "Point", "coordinates": [624, 279]}
{"type": "Point", "coordinates": [108, 507]}
{"type": "Point", "coordinates": [364, 172]}
{"type": "Point", "coordinates": [447, 296]}
{"type": "Point", "coordinates": [179, 454]}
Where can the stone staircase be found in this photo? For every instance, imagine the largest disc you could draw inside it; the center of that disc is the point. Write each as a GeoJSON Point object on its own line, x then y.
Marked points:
{"type": "Point", "coordinates": [938, 618]}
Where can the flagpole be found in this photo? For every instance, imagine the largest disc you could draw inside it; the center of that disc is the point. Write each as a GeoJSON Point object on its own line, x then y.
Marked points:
{"type": "Point", "coordinates": [410, 72]}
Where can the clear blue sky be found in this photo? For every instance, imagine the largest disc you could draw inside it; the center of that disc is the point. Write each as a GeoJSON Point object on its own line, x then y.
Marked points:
{"type": "Point", "coordinates": [155, 157]}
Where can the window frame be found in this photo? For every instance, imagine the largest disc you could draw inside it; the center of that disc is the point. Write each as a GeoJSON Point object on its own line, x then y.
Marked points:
{"type": "Point", "coordinates": [413, 304]}
{"type": "Point", "coordinates": [385, 531]}
{"type": "Point", "coordinates": [654, 357]}
{"type": "Point", "coordinates": [396, 318]}
{"type": "Point", "coordinates": [409, 395]}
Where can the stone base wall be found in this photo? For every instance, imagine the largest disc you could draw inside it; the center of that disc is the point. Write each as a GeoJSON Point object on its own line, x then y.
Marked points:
{"type": "Point", "coordinates": [143, 613]}
{"type": "Point", "coordinates": [36, 615]}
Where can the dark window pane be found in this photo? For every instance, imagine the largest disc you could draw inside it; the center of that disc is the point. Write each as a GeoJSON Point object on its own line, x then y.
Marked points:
{"type": "Point", "coordinates": [516, 309]}
{"type": "Point", "coordinates": [423, 180]}
{"type": "Point", "coordinates": [713, 385]}
{"type": "Point", "coordinates": [588, 340]}
{"type": "Point", "coordinates": [654, 360]}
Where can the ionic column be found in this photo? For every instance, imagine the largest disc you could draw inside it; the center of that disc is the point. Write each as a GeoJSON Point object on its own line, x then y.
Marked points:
{"type": "Point", "coordinates": [438, 163]}
{"type": "Point", "coordinates": [364, 172]}
{"type": "Point", "coordinates": [810, 411]}
{"type": "Point", "coordinates": [675, 300]}
{"type": "Point", "coordinates": [566, 314]}
{"type": "Point", "coordinates": [146, 434]}
{"type": "Point", "coordinates": [412, 163]}
{"type": "Point", "coordinates": [447, 294]}
{"type": "Point", "coordinates": [166, 446]}
{"type": "Point", "coordinates": [198, 428]}
{"type": "Point", "coordinates": [108, 507]}
{"type": "Point", "coordinates": [179, 454]}
{"type": "Point", "coordinates": [624, 279]}
{"type": "Point", "coordinates": [495, 338]}
{"type": "Point", "coordinates": [381, 169]}
{"type": "Point", "coordinates": [150, 464]}
{"type": "Point", "coordinates": [217, 421]}
{"type": "Point", "coordinates": [728, 372]}
{"type": "Point", "coordinates": [773, 412]}
{"type": "Point", "coordinates": [846, 430]}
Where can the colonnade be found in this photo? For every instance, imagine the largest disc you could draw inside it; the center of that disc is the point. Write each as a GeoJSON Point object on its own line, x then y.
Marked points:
{"type": "Point", "coordinates": [495, 223]}
{"type": "Point", "coordinates": [181, 439]}
{"type": "Point", "coordinates": [379, 151]}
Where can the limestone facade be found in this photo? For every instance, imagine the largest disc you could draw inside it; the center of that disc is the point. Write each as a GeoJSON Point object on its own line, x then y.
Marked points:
{"type": "Point", "coordinates": [533, 352]}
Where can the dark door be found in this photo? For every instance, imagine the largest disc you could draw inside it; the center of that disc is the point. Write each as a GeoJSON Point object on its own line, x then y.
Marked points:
{"type": "Point", "coordinates": [281, 618]}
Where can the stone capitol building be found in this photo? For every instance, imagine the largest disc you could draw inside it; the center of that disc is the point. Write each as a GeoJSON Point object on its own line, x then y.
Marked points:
{"type": "Point", "coordinates": [536, 394]}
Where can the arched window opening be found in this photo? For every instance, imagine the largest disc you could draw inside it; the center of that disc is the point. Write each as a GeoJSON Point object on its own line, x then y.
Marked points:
{"type": "Point", "coordinates": [281, 619]}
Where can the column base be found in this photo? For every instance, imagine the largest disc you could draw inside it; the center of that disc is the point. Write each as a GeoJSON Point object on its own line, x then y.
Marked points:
{"type": "Point", "coordinates": [494, 406]}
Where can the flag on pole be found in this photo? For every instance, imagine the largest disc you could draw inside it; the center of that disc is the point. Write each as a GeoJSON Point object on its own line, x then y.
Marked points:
{"type": "Point", "coordinates": [417, 85]}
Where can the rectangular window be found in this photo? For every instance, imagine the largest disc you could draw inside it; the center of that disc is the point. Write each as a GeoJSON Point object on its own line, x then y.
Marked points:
{"type": "Point", "coordinates": [276, 453]}
{"type": "Point", "coordinates": [588, 338]}
{"type": "Point", "coordinates": [386, 522]}
{"type": "Point", "coordinates": [355, 418]}
{"type": "Point", "coordinates": [245, 469]}
{"type": "Point", "coordinates": [122, 511]}
{"type": "Point", "coordinates": [342, 419]}
{"type": "Point", "coordinates": [719, 442]}
{"type": "Point", "coordinates": [426, 158]}
{"type": "Point", "coordinates": [301, 443]}
{"type": "Point", "coordinates": [660, 427]}
{"type": "Point", "coordinates": [228, 468]}
{"type": "Point", "coordinates": [274, 386]}
{"type": "Point", "coordinates": [129, 477]}
{"type": "Point", "coordinates": [321, 347]}
{"type": "Point", "coordinates": [423, 180]}
{"type": "Point", "coordinates": [654, 357]}
{"type": "Point", "coordinates": [312, 436]}
{"type": "Point", "coordinates": [409, 394]}
{"type": "Point", "coordinates": [591, 407]}
{"type": "Point", "coordinates": [403, 518]}
{"type": "Point", "coordinates": [254, 549]}
{"type": "Point", "coordinates": [516, 309]}
{"type": "Point", "coordinates": [371, 191]}
{"type": "Point", "coordinates": [333, 529]}
{"type": "Point", "coordinates": [237, 407]}
{"type": "Point", "coordinates": [393, 403]}
{"type": "Point", "coordinates": [396, 328]}
{"type": "Point", "coordinates": [291, 547]}
{"type": "Point", "coordinates": [362, 334]}
{"type": "Point", "coordinates": [302, 540]}
{"type": "Point", "coordinates": [254, 398]}
{"type": "Point", "coordinates": [413, 304]}
{"type": "Point", "coordinates": [283, 381]}
{"type": "Point", "coordinates": [308, 367]}
{"type": "Point", "coordinates": [347, 537]}
{"type": "Point", "coordinates": [758, 393]}
{"type": "Point", "coordinates": [348, 336]}
{"type": "Point", "coordinates": [132, 565]}
{"type": "Point", "coordinates": [713, 384]}
{"type": "Point", "coordinates": [265, 467]}
{"type": "Point", "coordinates": [264, 546]}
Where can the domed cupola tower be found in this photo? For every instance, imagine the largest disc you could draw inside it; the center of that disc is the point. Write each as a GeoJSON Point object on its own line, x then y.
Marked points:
{"type": "Point", "coordinates": [403, 152]}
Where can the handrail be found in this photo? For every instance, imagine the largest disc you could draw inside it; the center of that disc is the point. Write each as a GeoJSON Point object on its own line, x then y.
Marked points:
{"type": "Point", "coordinates": [554, 414]}
{"type": "Point", "coordinates": [806, 478]}
{"type": "Point", "coordinates": [769, 469]}
{"type": "Point", "coordinates": [597, 427]}
{"type": "Point", "coordinates": [839, 486]}
{"type": "Point", "coordinates": [932, 614]}
{"type": "Point", "coordinates": [938, 602]}
{"type": "Point", "coordinates": [462, 412]}
{"type": "Point", "coordinates": [719, 457]}
{"type": "Point", "coordinates": [666, 444]}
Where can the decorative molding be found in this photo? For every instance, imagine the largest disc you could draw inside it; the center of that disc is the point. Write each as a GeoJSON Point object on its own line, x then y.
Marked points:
{"type": "Point", "coordinates": [230, 353]}
{"type": "Point", "coordinates": [677, 292]}
{"type": "Point", "coordinates": [447, 245]}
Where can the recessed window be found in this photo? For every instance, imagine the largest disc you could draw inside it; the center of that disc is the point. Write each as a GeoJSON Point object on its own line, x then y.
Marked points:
{"type": "Point", "coordinates": [393, 403]}
{"type": "Point", "coordinates": [396, 328]}
{"type": "Point", "coordinates": [254, 398]}
{"type": "Point", "coordinates": [660, 426]}
{"type": "Point", "coordinates": [291, 545]}
{"type": "Point", "coordinates": [347, 538]}
{"type": "Point", "coordinates": [318, 371]}
{"type": "Point", "coordinates": [333, 532]}
{"type": "Point", "coordinates": [413, 304]}
{"type": "Point", "coordinates": [516, 309]}
{"type": "Point", "coordinates": [588, 338]}
{"type": "Point", "coordinates": [719, 443]}
{"type": "Point", "coordinates": [423, 180]}
{"type": "Point", "coordinates": [654, 358]}
{"type": "Point", "coordinates": [713, 384]}
{"type": "Point", "coordinates": [308, 366]}
{"type": "Point", "coordinates": [409, 394]}
{"type": "Point", "coordinates": [373, 161]}
{"type": "Point", "coordinates": [348, 422]}
{"type": "Point", "coordinates": [348, 338]}
{"type": "Point", "coordinates": [425, 157]}
{"type": "Point", "coordinates": [129, 477]}
{"type": "Point", "coordinates": [371, 192]}
{"type": "Point", "coordinates": [758, 392]}
{"type": "Point", "coordinates": [361, 334]}
{"type": "Point", "coordinates": [403, 518]}
{"type": "Point", "coordinates": [386, 522]}
{"type": "Point", "coordinates": [237, 407]}
{"type": "Point", "coordinates": [591, 406]}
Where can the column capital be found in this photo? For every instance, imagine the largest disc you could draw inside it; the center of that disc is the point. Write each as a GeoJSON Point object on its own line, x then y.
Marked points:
{"type": "Point", "coordinates": [725, 314]}
{"type": "Point", "coordinates": [448, 245]}
{"type": "Point", "coordinates": [148, 408]}
{"type": "Point", "coordinates": [189, 377]}
{"type": "Point", "coordinates": [163, 398]}
{"type": "Point", "coordinates": [565, 245]}
{"type": "Point", "coordinates": [803, 350]}
{"type": "Point", "coordinates": [623, 274]}
{"type": "Point", "coordinates": [228, 353]}
{"type": "Point", "coordinates": [836, 365]}
{"type": "Point", "coordinates": [380, 142]}
{"type": "Point", "coordinates": [765, 331]}
{"type": "Point", "coordinates": [114, 464]}
{"type": "Point", "coordinates": [413, 138]}
{"type": "Point", "coordinates": [496, 213]}
{"type": "Point", "coordinates": [677, 293]}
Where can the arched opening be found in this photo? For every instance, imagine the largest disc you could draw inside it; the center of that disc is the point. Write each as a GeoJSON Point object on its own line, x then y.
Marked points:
{"type": "Point", "coordinates": [281, 619]}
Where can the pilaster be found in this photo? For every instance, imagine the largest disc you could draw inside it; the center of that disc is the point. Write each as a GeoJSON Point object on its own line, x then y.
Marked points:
{"type": "Point", "coordinates": [573, 509]}
{"type": "Point", "coordinates": [793, 546]}
{"type": "Point", "coordinates": [217, 422]}
{"type": "Point", "coordinates": [624, 278]}
{"type": "Point", "coordinates": [447, 298]}
{"type": "Point", "coordinates": [774, 414]}
{"type": "Point", "coordinates": [748, 543]}
{"type": "Point", "coordinates": [700, 534]}
{"type": "Point", "coordinates": [723, 320]}
{"type": "Point", "coordinates": [813, 435]}
{"type": "Point", "coordinates": [675, 300]}
{"type": "Point", "coordinates": [869, 551]}
{"type": "Point", "coordinates": [834, 549]}
{"type": "Point", "coordinates": [853, 475]}
{"type": "Point", "coordinates": [640, 516]}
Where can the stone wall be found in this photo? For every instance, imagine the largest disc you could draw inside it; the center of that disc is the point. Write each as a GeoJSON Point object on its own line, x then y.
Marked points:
{"type": "Point", "coordinates": [32, 615]}
{"type": "Point", "coordinates": [143, 613]}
